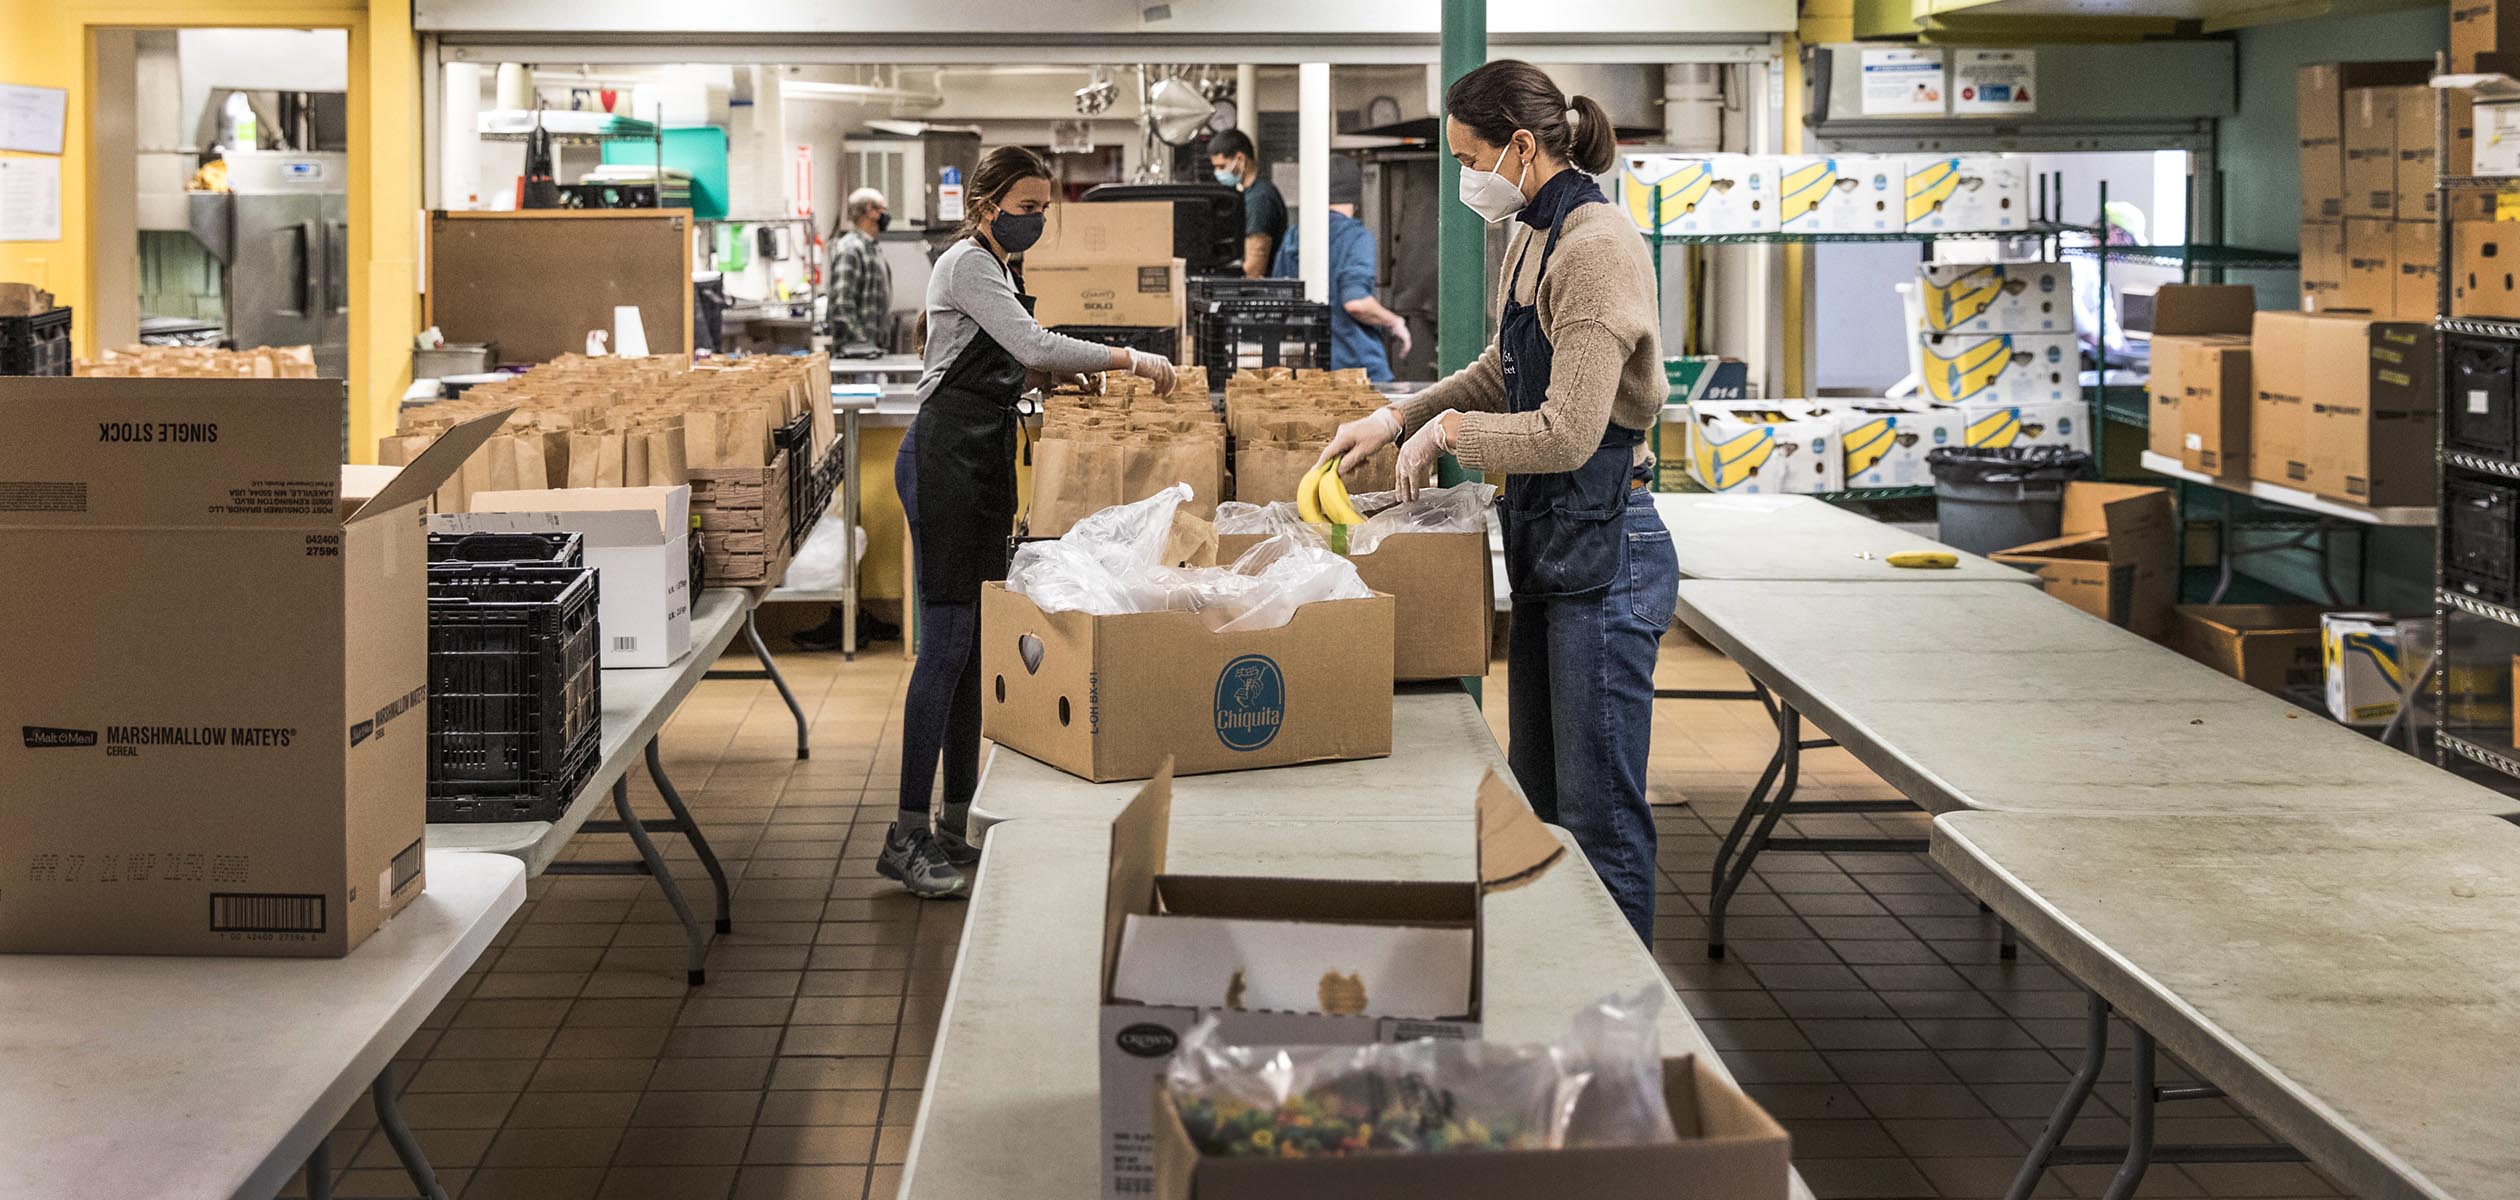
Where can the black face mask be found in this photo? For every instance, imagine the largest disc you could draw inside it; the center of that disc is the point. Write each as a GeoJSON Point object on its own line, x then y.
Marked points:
{"type": "Point", "coordinates": [1016, 232]}
{"type": "Point", "coordinates": [883, 221]}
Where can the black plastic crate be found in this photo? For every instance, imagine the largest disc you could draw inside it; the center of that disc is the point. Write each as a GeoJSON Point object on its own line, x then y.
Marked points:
{"type": "Point", "coordinates": [1239, 287]}
{"type": "Point", "coordinates": [454, 550]}
{"type": "Point", "coordinates": [1237, 334]}
{"type": "Point", "coordinates": [1153, 339]}
{"type": "Point", "coordinates": [2478, 413]}
{"type": "Point", "coordinates": [515, 691]}
{"type": "Point", "coordinates": [795, 440]}
{"type": "Point", "coordinates": [36, 345]}
{"type": "Point", "coordinates": [2480, 538]}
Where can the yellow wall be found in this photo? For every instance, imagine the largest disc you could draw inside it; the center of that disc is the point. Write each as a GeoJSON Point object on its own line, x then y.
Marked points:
{"type": "Point", "coordinates": [46, 43]}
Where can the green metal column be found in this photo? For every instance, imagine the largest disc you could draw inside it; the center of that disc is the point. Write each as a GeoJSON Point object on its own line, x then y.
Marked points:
{"type": "Point", "coordinates": [1461, 265]}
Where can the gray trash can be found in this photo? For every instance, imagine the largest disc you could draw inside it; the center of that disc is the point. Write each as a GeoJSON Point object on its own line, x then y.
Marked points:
{"type": "Point", "coordinates": [1990, 500]}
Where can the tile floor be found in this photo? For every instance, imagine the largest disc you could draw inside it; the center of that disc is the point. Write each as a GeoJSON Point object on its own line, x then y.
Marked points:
{"type": "Point", "coordinates": [1863, 1003]}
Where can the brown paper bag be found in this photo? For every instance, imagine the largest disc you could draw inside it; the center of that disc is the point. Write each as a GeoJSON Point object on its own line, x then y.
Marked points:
{"type": "Point", "coordinates": [668, 464]}
{"type": "Point", "coordinates": [1073, 478]}
{"type": "Point", "coordinates": [595, 459]}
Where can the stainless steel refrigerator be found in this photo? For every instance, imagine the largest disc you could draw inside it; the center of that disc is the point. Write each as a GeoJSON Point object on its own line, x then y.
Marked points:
{"type": "Point", "coordinates": [283, 235]}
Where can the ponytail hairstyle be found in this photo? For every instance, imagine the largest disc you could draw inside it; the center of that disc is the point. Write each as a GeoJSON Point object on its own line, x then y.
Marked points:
{"type": "Point", "coordinates": [998, 173]}
{"type": "Point", "coordinates": [1509, 94]}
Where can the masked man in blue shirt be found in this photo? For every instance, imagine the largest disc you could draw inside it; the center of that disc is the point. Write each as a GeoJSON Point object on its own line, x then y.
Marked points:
{"type": "Point", "coordinates": [1353, 259]}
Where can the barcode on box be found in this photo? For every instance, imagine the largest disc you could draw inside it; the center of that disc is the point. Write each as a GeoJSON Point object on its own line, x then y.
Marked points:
{"type": "Point", "coordinates": [625, 643]}
{"type": "Point", "coordinates": [251, 912]}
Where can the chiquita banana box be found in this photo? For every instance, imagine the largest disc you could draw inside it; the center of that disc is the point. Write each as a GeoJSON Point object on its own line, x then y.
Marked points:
{"type": "Point", "coordinates": [1995, 298]}
{"type": "Point", "coordinates": [2009, 368]}
{"type": "Point", "coordinates": [1764, 446]}
{"type": "Point", "coordinates": [2366, 673]}
{"type": "Point", "coordinates": [1885, 441]}
{"type": "Point", "coordinates": [1996, 426]}
{"type": "Point", "coordinates": [1843, 193]}
{"type": "Point", "coordinates": [1967, 193]}
{"type": "Point", "coordinates": [1700, 194]}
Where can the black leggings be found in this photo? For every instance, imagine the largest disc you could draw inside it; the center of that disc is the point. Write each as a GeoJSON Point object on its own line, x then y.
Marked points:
{"type": "Point", "coordinates": [941, 715]}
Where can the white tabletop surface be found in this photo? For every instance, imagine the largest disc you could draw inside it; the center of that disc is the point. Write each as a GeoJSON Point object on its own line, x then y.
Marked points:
{"type": "Point", "coordinates": [215, 1077]}
{"type": "Point", "coordinates": [1800, 537]}
{"type": "Point", "coordinates": [1989, 696]}
{"type": "Point", "coordinates": [637, 703]}
{"type": "Point", "coordinates": [2354, 982]}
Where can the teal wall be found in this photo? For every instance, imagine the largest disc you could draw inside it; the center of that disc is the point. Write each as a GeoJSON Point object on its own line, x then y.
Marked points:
{"type": "Point", "coordinates": [2262, 207]}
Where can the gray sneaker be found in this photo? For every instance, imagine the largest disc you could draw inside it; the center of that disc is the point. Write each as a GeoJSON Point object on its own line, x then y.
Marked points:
{"type": "Point", "coordinates": [921, 865]}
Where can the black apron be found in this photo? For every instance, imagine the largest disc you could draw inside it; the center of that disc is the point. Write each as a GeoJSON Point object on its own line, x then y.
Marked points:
{"type": "Point", "coordinates": [1564, 535]}
{"type": "Point", "coordinates": [964, 439]}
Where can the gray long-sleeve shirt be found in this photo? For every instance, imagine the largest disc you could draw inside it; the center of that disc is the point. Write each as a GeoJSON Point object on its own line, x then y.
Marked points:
{"type": "Point", "coordinates": [970, 292]}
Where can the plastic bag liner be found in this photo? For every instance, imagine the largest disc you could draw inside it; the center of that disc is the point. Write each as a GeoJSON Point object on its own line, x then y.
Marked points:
{"type": "Point", "coordinates": [2008, 464]}
{"type": "Point", "coordinates": [816, 567]}
{"type": "Point", "coordinates": [1461, 508]}
{"type": "Point", "coordinates": [1116, 561]}
{"type": "Point", "coordinates": [1598, 1085]}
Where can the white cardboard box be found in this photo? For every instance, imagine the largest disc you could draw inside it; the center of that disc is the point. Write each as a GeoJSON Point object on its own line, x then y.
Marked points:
{"type": "Point", "coordinates": [1963, 193]}
{"type": "Point", "coordinates": [1764, 447]}
{"type": "Point", "coordinates": [1700, 193]}
{"type": "Point", "coordinates": [639, 542]}
{"type": "Point", "coordinates": [2019, 297]}
{"type": "Point", "coordinates": [1845, 193]}
{"type": "Point", "coordinates": [2009, 368]}
{"type": "Point", "coordinates": [1885, 441]}
{"type": "Point", "coordinates": [2498, 139]}
{"type": "Point", "coordinates": [2360, 654]}
{"type": "Point", "coordinates": [1995, 426]}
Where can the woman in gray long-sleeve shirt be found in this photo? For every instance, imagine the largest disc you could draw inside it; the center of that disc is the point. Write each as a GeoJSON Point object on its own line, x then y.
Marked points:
{"type": "Point", "coordinates": [956, 476]}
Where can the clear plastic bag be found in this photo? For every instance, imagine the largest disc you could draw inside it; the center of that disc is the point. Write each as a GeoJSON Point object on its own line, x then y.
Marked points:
{"type": "Point", "coordinates": [1120, 560]}
{"type": "Point", "coordinates": [1598, 1085]}
{"type": "Point", "coordinates": [1461, 508]}
{"type": "Point", "coordinates": [816, 567]}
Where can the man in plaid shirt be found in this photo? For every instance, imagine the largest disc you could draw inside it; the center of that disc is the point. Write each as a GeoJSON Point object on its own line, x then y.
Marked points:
{"type": "Point", "coordinates": [861, 282]}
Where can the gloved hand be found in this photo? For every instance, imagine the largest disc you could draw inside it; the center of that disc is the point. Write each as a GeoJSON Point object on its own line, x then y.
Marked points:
{"type": "Point", "coordinates": [1400, 336]}
{"type": "Point", "coordinates": [1153, 368]}
{"type": "Point", "coordinates": [1357, 440]}
{"type": "Point", "coordinates": [1432, 441]}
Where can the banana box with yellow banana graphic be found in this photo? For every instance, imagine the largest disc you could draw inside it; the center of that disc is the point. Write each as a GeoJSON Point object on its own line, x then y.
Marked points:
{"type": "Point", "coordinates": [2017, 297]}
{"type": "Point", "coordinates": [1885, 441]}
{"type": "Point", "coordinates": [1998, 368]}
{"type": "Point", "coordinates": [1967, 193]}
{"type": "Point", "coordinates": [1700, 193]}
{"type": "Point", "coordinates": [1842, 193]}
{"type": "Point", "coordinates": [2361, 655]}
{"type": "Point", "coordinates": [1766, 447]}
{"type": "Point", "coordinates": [1996, 426]}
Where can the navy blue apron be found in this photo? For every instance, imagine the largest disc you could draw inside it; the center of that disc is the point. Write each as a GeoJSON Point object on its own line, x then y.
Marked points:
{"type": "Point", "coordinates": [1563, 531]}
{"type": "Point", "coordinates": [965, 439]}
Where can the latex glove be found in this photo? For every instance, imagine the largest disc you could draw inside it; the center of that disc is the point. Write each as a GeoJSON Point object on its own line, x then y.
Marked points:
{"type": "Point", "coordinates": [1432, 441]}
{"type": "Point", "coordinates": [1153, 368]}
{"type": "Point", "coordinates": [1400, 335]}
{"type": "Point", "coordinates": [1357, 440]}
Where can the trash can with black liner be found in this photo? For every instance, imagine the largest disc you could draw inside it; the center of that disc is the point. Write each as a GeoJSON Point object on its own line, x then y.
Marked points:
{"type": "Point", "coordinates": [1987, 500]}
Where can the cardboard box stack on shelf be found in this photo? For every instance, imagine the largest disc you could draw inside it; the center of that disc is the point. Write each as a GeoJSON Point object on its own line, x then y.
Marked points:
{"type": "Point", "coordinates": [1106, 272]}
{"type": "Point", "coordinates": [2369, 155]}
{"type": "Point", "coordinates": [1707, 195]}
{"type": "Point", "coordinates": [2345, 407]}
{"type": "Point", "coordinates": [747, 435]}
{"type": "Point", "coordinates": [2200, 377]}
{"type": "Point", "coordinates": [1122, 442]}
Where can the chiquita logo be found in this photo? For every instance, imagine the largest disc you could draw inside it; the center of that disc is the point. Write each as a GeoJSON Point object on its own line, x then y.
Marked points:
{"type": "Point", "coordinates": [1147, 1041]}
{"type": "Point", "coordinates": [1250, 702]}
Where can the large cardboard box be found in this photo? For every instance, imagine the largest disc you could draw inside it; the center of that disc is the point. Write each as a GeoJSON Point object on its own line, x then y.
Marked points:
{"type": "Point", "coordinates": [1886, 441]}
{"type": "Point", "coordinates": [1116, 697]}
{"type": "Point", "coordinates": [2322, 265]}
{"type": "Point", "coordinates": [2418, 262]}
{"type": "Point", "coordinates": [639, 542]}
{"type": "Point", "coordinates": [2214, 410]}
{"type": "Point", "coordinates": [2485, 270]}
{"type": "Point", "coordinates": [1967, 193]}
{"type": "Point", "coordinates": [2018, 297]}
{"type": "Point", "coordinates": [2496, 148]}
{"type": "Point", "coordinates": [2006, 368]}
{"type": "Point", "coordinates": [2481, 27]}
{"type": "Point", "coordinates": [2370, 267]}
{"type": "Point", "coordinates": [1283, 960]}
{"type": "Point", "coordinates": [2186, 314]}
{"type": "Point", "coordinates": [1127, 231]}
{"type": "Point", "coordinates": [2370, 142]}
{"type": "Point", "coordinates": [1844, 193]}
{"type": "Point", "coordinates": [1728, 1148]}
{"type": "Point", "coordinates": [1442, 598]}
{"type": "Point", "coordinates": [2279, 376]}
{"type": "Point", "coordinates": [1145, 293]}
{"type": "Point", "coordinates": [218, 702]}
{"type": "Point", "coordinates": [2374, 411]}
{"type": "Point", "coordinates": [1764, 446]}
{"type": "Point", "coordinates": [2320, 91]}
{"type": "Point", "coordinates": [2118, 558]}
{"type": "Point", "coordinates": [2419, 159]}
{"type": "Point", "coordinates": [1700, 193]}
{"type": "Point", "coordinates": [2271, 647]}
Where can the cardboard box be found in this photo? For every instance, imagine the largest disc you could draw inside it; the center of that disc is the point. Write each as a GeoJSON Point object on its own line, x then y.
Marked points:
{"type": "Point", "coordinates": [2374, 410]}
{"type": "Point", "coordinates": [1886, 441]}
{"type": "Point", "coordinates": [2370, 267]}
{"type": "Point", "coordinates": [2280, 413]}
{"type": "Point", "coordinates": [2214, 408]}
{"type": "Point", "coordinates": [224, 750]}
{"type": "Point", "coordinates": [2417, 160]}
{"type": "Point", "coordinates": [1764, 446]}
{"type": "Point", "coordinates": [1845, 193]}
{"type": "Point", "coordinates": [1728, 1149]}
{"type": "Point", "coordinates": [639, 542]}
{"type": "Point", "coordinates": [2184, 314]}
{"type": "Point", "coordinates": [2370, 146]}
{"type": "Point", "coordinates": [2481, 27]}
{"type": "Point", "coordinates": [1124, 231]}
{"type": "Point", "coordinates": [2322, 266]}
{"type": "Point", "coordinates": [1994, 426]}
{"type": "Point", "coordinates": [2271, 647]}
{"type": "Point", "coordinates": [2118, 558]}
{"type": "Point", "coordinates": [2485, 270]}
{"type": "Point", "coordinates": [1116, 697]}
{"type": "Point", "coordinates": [2007, 368]}
{"type": "Point", "coordinates": [1146, 293]}
{"type": "Point", "coordinates": [2418, 262]}
{"type": "Point", "coordinates": [2320, 90]}
{"type": "Point", "coordinates": [1442, 598]}
{"type": "Point", "coordinates": [2496, 149]}
{"type": "Point", "coordinates": [1996, 298]}
{"type": "Point", "coordinates": [1698, 377]}
{"type": "Point", "coordinates": [1700, 193]}
{"type": "Point", "coordinates": [1968, 192]}
{"type": "Point", "coordinates": [1178, 948]}
{"type": "Point", "coordinates": [2322, 171]}
{"type": "Point", "coordinates": [2359, 653]}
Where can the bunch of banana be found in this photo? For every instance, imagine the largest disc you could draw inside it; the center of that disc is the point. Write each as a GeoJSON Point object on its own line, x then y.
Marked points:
{"type": "Point", "coordinates": [1322, 498]}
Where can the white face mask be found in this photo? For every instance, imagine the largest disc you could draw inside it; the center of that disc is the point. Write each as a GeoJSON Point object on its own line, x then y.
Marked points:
{"type": "Point", "coordinates": [1491, 195]}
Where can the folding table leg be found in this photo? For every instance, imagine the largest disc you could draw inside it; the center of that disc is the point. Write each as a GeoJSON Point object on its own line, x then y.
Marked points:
{"type": "Point", "coordinates": [770, 667]}
{"type": "Point", "coordinates": [690, 830]}
{"type": "Point", "coordinates": [2068, 1106]}
{"type": "Point", "coordinates": [319, 1170]}
{"type": "Point", "coordinates": [695, 939]}
{"type": "Point", "coordinates": [389, 1118]}
{"type": "Point", "coordinates": [1734, 870]}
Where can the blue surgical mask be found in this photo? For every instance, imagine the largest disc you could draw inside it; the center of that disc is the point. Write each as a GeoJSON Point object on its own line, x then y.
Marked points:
{"type": "Point", "coordinates": [1231, 179]}
{"type": "Point", "coordinates": [1016, 232]}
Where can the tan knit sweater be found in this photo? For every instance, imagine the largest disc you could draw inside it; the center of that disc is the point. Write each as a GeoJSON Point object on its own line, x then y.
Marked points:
{"type": "Point", "coordinates": [1603, 320]}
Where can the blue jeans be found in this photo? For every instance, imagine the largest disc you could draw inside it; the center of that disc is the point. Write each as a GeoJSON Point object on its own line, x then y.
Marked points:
{"type": "Point", "coordinates": [1580, 709]}
{"type": "Point", "coordinates": [940, 715]}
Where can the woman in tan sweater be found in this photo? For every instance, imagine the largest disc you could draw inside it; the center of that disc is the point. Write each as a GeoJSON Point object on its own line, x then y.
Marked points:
{"type": "Point", "coordinates": [1561, 401]}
